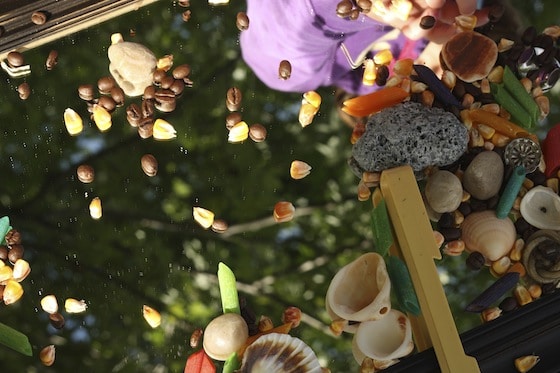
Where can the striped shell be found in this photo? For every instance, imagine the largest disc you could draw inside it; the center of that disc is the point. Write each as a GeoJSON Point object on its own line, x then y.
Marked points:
{"type": "Point", "coordinates": [486, 233]}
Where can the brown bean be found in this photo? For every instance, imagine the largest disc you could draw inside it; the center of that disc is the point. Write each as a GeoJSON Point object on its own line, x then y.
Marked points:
{"type": "Point", "coordinates": [285, 69]}
{"type": "Point", "coordinates": [105, 84]}
{"type": "Point", "coordinates": [427, 22]}
{"type": "Point", "coordinates": [184, 3]}
{"type": "Point", "coordinates": [232, 119]}
{"type": "Point", "coordinates": [52, 60]}
{"type": "Point", "coordinates": [107, 103]}
{"type": "Point", "coordinates": [149, 164]}
{"type": "Point", "coordinates": [242, 21]}
{"type": "Point", "coordinates": [117, 94]}
{"type": "Point", "coordinates": [149, 93]}
{"type": "Point", "coordinates": [85, 173]}
{"type": "Point", "coordinates": [165, 100]}
{"type": "Point", "coordinates": [86, 92]}
{"type": "Point", "coordinates": [148, 108]}
{"type": "Point", "coordinates": [133, 115]}
{"type": "Point", "coordinates": [177, 87]}
{"type": "Point", "coordinates": [57, 320]}
{"type": "Point", "coordinates": [159, 74]}
{"type": "Point", "coordinates": [24, 90]}
{"type": "Point", "coordinates": [39, 18]}
{"type": "Point", "coordinates": [257, 132]}
{"type": "Point", "coordinates": [186, 16]}
{"type": "Point", "coordinates": [3, 253]}
{"type": "Point", "coordinates": [233, 99]}
{"type": "Point", "coordinates": [166, 82]}
{"type": "Point", "coordinates": [15, 253]}
{"type": "Point", "coordinates": [181, 71]}
{"type": "Point", "coordinates": [15, 59]}
{"type": "Point", "coordinates": [146, 128]}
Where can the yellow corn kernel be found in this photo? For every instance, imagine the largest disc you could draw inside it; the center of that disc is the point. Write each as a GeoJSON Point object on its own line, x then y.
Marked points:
{"type": "Point", "coordinates": [12, 292]}
{"type": "Point", "coordinates": [525, 363]}
{"type": "Point", "coordinates": [265, 324]}
{"type": "Point", "coordinates": [283, 211]}
{"type": "Point", "coordinates": [337, 326]}
{"type": "Point", "coordinates": [535, 290]}
{"type": "Point", "coordinates": [522, 295]}
{"type": "Point", "coordinates": [6, 274]}
{"type": "Point", "coordinates": [164, 130]}
{"type": "Point", "coordinates": [491, 314]}
{"type": "Point", "coordinates": [401, 9]}
{"type": "Point", "coordinates": [102, 118]}
{"type": "Point", "coordinates": [72, 305]}
{"type": "Point", "coordinates": [500, 140]}
{"type": "Point", "coordinates": [367, 365]}
{"type": "Point", "coordinates": [306, 113]}
{"type": "Point", "coordinates": [383, 57]}
{"type": "Point", "coordinates": [203, 217]}
{"type": "Point", "coordinates": [485, 131]}
{"type": "Point", "coordinates": [403, 67]}
{"type": "Point", "coordinates": [238, 133]}
{"type": "Point", "coordinates": [475, 140]}
{"type": "Point", "coordinates": [165, 62]}
{"type": "Point", "coordinates": [496, 75]}
{"type": "Point", "coordinates": [517, 249]}
{"type": "Point", "coordinates": [449, 79]}
{"type": "Point", "coordinates": [500, 266]}
{"type": "Point", "coordinates": [49, 304]}
{"type": "Point", "coordinates": [371, 179]}
{"type": "Point", "coordinates": [299, 170]}
{"type": "Point", "coordinates": [47, 355]}
{"type": "Point", "coordinates": [370, 72]}
{"type": "Point", "coordinates": [73, 122]}
{"type": "Point", "coordinates": [95, 209]}
{"type": "Point", "coordinates": [363, 191]}
{"type": "Point", "coordinates": [552, 183]}
{"type": "Point", "coordinates": [21, 270]}
{"type": "Point", "coordinates": [465, 23]}
{"type": "Point", "coordinates": [313, 98]}
{"type": "Point", "coordinates": [152, 317]}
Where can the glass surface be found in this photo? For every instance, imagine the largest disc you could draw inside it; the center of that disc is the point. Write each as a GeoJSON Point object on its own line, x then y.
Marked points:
{"type": "Point", "coordinates": [146, 249]}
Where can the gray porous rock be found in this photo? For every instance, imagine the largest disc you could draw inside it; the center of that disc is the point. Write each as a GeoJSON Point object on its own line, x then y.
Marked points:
{"type": "Point", "coordinates": [409, 133]}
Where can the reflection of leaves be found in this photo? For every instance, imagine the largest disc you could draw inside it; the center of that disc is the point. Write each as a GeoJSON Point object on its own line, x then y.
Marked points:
{"type": "Point", "coordinates": [15, 340]}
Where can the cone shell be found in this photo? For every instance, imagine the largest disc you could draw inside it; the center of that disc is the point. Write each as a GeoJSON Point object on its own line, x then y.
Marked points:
{"type": "Point", "coordinates": [276, 352]}
{"type": "Point", "coordinates": [486, 233]}
{"type": "Point", "coordinates": [360, 291]}
{"type": "Point", "coordinates": [385, 339]}
{"type": "Point", "coordinates": [540, 207]}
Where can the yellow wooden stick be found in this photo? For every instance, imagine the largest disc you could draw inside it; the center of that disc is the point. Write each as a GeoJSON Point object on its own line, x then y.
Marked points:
{"type": "Point", "coordinates": [416, 241]}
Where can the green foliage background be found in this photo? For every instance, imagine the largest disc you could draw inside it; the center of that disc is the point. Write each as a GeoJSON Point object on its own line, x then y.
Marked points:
{"type": "Point", "coordinates": [147, 249]}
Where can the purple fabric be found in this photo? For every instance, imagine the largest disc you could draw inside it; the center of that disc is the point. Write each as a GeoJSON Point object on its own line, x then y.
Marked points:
{"type": "Point", "coordinates": [308, 33]}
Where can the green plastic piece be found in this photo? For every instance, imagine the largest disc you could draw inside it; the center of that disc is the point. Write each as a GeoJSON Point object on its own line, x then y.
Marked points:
{"type": "Point", "coordinates": [232, 363]}
{"type": "Point", "coordinates": [4, 227]}
{"type": "Point", "coordinates": [518, 113]}
{"type": "Point", "coordinates": [518, 92]}
{"type": "Point", "coordinates": [15, 340]}
{"type": "Point", "coordinates": [402, 284]}
{"type": "Point", "coordinates": [381, 227]}
{"type": "Point", "coordinates": [510, 192]}
{"type": "Point", "coordinates": [228, 289]}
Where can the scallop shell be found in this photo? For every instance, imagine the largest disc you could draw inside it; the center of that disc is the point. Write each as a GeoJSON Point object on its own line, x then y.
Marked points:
{"type": "Point", "coordinates": [360, 291]}
{"type": "Point", "coordinates": [540, 207]}
{"type": "Point", "coordinates": [279, 353]}
{"type": "Point", "coordinates": [486, 233]}
{"type": "Point", "coordinates": [385, 339]}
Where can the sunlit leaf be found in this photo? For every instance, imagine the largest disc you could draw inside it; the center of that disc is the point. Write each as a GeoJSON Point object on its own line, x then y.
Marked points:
{"type": "Point", "coordinates": [228, 289]}
{"type": "Point", "coordinates": [15, 340]}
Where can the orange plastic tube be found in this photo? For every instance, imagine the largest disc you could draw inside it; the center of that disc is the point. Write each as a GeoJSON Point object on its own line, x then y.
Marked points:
{"type": "Point", "coordinates": [371, 103]}
{"type": "Point", "coordinates": [501, 125]}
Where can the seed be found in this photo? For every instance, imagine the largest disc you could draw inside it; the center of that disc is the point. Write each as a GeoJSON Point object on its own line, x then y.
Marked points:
{"type": "Point", "coordinates": [167, 81]}
{"type": "Point", "coordinates": [186, 16]}
{"type": "Point", "coordinates": [6, 274]}
{"type": "Point", "coordinates": [383, 57]}
{"type": "Point", "coordinates": [283, 211]}
{"type": "Point", "coordinates": [47, 355]}
{"type": "Point", "coordinates": [86, 91]}
{"type": "Point", "coordinates": [95, 210]}
{"type": "Point", "coordinates": [306, 113]}
{"type": "Point", "coordinates": [165, 100]}
{"type": "Point", "coordinates": [49, 304]}
{"type": "Point", "coordinates": [242, 21]}
{"type": "Point", "coordinates": [219, 226]}
{"type": "Point", "coordinates": [72, 305]}
{"type": "Point", "coordinates": [195, 338]}
{"type": "Point", "coordinates": [363, 191]}
{"type": "Point", "coordinates": [177, 87]}
{"type": "Point", "coordinates": [427, 22]}
{"type": "Point", "coordinates": [163, 130]}
{"type": "Point", "coordinates": [525, 363]}
{"type": "Point", "coordinates": [233, 99]}
{"type": "Point", "coordinates": [454, 248]}
{"type": "Point", "coordinates": [21, 270]}
{"type": "Point", "coordinates": [265, 324]}
{"type": "Point", "coordinates": [57, 320]}
{"type": "Point", "coordinates": [490, 314]}
{"type": "Point", "coordinates": [299, 170]}
{"type": "Point", "coordinates": [344, 8]}
{"type": "Point", "coordinates": [508, 304]}
{"type": "Point", "coordinates": [337, 326]}
{"type": "Point", "coordinates": [52, 60]}
{"type": "Point", "coordinates": [500, 266]}
{"type": "Point", "coordinates": [24, 90]}
{"type": "Point", "coordinates": [535, 290]}
{"type": "Point", "coordinates": [146, 128]}
{"type": "Point", "coordinates": [284, 70]}
{"type": "Point", "coordinates": [3, 255]}
{"type": "Point", "coordinates": [39, 18]}
{"type": "Point", "coordinates": [12, 292]}
{"type": "Point", "coordinates": [475, 260]}
{"type": "Point", "coordinates": [105, 84]}
{"type": "Point", "coordinates": [292, 315]}
{"type": "Point", "coordinates": [232, 119]}
{"type": "Point", "coordinates": [312, 98]}
{"type": "Point", "coordinates": [257, 132]}
{"type": "Point", "coordinates": [370, 72]}
{"type": "Point", "coordinates": [117, 94]}
{"type": "Point", "coordinates": [152, 317]}
{"type": "Point", "coordinates": [367, 365]}
{"type": "Point", "coordinates": [13, 237]}
{"type": "Point", "coordinates": [522, 295]}
{"type": "Point", "coordinates": [149, 164]}
{"type": "Point", "coordinates": [15, 253]}
{"type": "Point", "coordinates": [147, 108]}
{"type": "Point", "coordinates": [371, 179]}
{"type": "Point", "coordinates": [15, 59]}
{"type": "Point", "coordinates": [517, 249]}
{"type": "Point", "coordinates": [73, 122]}
{"type": "Point", "coordinates": [203, 217]}
{"type": "Point", "coordinates": [102, 118]}
{"type": "Point", "coordinates": [181, 71]}
{"type": "Point", "coordinates": [238, 133]}
{"type": "Point", "coordinates": [85, 173]}
{"type": "Point", "coordinates": [165, 63]}
{"type": "Point", "coordinates": [465, 23]}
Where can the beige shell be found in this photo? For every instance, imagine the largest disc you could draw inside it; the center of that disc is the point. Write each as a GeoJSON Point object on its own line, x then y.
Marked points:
{"type": "Point", "coordinates": [540, 207]}
{"type": "Point", "coordinates": [278, 353]}
{"type": "Point", "coordinates": [486, 233]}
{"type": "Point", "coordinates": [385, 339]}
{"type": "Point", "coordinates": [360, 291]}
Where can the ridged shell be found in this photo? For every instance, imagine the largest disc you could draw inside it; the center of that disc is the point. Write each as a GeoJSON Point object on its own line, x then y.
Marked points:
{"type": "Point", "coordinates": [540, 207]}
{"type": "Point", "coordinates": [360, 291]}
{"type": "Point", "coordinates": [385, 339]}
{"type": "Point", "coordinates": [279, 353]}
{"type": "Point", "coordinates": [486, 233]}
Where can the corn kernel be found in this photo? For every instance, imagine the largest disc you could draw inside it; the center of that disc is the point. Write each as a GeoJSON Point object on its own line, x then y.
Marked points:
{"type": "Point", "coordinates": [203, 217]}
{"type": "Point", "coordinates": [363, 191]}
{"type": "Point", "coordinates": [21, 270]}
{"type": "Point", "coordinates": [72, 305]}
{"type": "Point", "coordinates": [299, 170]}
{"type": "Point", "coordinates": [283, 211]}
{"type": "Point", "coordinates": [401, 9]}
{"type": "Point", "coordinates": [383, 57]}
{"type": "Point", "coordinates": [403, 67]}
{"type": "Point", "coordinates": [265, 324]}
{"type": "Point", "coordinates": [47, 355]}
{"type": "Point", "coordinates": [370, 72]}
{"type": "Point", "coordinates": [163, 130]}
{"type": "Point", "coordinates": [522, 295]}
{"type": "Point", "coordinates": [73, 122]}
{"type": "Point", "coordinates": [525, 363]}
{"type": "Point", "coordinates": [95, 209]}
{"type": "Point", "coordinates": [465, 23]}
{"type": "Point", "coordinates": [313, 98]}
{"type": "Point", "coordinates": [152, 317]}
{"type": "Point", "coordinates": [164, 63]}
{"type": "Point", "coordinates": [238, 133]}
{"type": "Point", "coordinates": [292, 315]}
{"type": "Point", "coordinates": [12, 292]}
{"type": "Point", "coordinates": [6, 274]}
{"type": "Point", "coordinates": [102, 118]}
{"type": "Point", "coordinates": [49, 304]}
{"type": "Point", "coordinates": [306, 113]}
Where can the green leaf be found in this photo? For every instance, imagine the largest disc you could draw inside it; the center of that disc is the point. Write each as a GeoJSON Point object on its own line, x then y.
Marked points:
{"type": "Point", "coordinates": [402, 284]}
{"type": "Point", "coordinates": [228, 289]}
{"type": "Point", "coordinates": [4, 227]}
{"type": "Point", "coordinates": [231, 364]}
{"type": "Point", "coordinates": [381, 227]}
{"type": "Point", "coordinates": [15, 340]}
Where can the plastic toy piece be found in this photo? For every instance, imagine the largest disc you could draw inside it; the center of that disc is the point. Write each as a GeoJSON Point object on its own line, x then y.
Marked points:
{"type": "Point", "coordinates": [415, 237]}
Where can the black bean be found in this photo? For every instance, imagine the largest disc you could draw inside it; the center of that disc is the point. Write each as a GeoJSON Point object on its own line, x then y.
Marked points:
{"type": "Point", "coordinates": [475, 260]}
{"type": "Point", "coordinates": [446, 220]}
{"type": "Point", "coordinates": [465, 208]}
{"type": "Point", "coordinates": [427, 22]}
{"type": "Point", "coordinates": [508, 304]}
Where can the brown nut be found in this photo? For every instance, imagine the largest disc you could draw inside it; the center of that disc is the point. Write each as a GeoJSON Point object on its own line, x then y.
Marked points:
{"type": "Point", "coordinates": [117, 94]}
{"type": "Point", "coordinates": [181, 71]}
{"type": "Point", "coordinates": [233, 99]}
{"type": "Point", "coordinates": [232, 119]}
{"type": "Point", "coordinates": [85, 173]}
{"type": "Point", "coordinates": [24, 90]}
{"type": "Point", "coordinates": [284, 70]}
{"type": "Point", "coordinates": [456, 55]}
{"type": "Point", "coordinates": [242, 21]}
{"type": "Point", "coordinates": [133, 114]}
{"type": "Point", "coordinates": [105, 84]}
{"type": "Point", "coordinates": [86, 92]}
{"type": "Point", "coordinates": [149, 164]}
{"type": "Point", "coordinates": [257, 132]}
{"type": "Point", "coordinates": [15, 59]}
{"type": "Point", "coordinates": [52, 60]}
{"type": "Point", "coordinates": [107, 103]}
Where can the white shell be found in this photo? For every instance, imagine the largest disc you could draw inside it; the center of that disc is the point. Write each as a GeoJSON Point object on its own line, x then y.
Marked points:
{"type": "Point", "coordinates": [360, 291]}
{"type": "Point", "coordinates": [279, 353]}
{"type": "Point", "coordinates": [540, 207]}
{"type": "Point", "coordinates": [385, 339]}
{"type": "Point", "coordinates": [489, 235]}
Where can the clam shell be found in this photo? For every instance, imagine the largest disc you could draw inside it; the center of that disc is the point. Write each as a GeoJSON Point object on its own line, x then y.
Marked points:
{"type": "Point", "coordinates": [540, 207]}
{"type": "Point", "coordinates": [360, 291]}
{"type": "Point", "coordinates": [486, 233]}
{"type": "Point", "coordinates": [279, 353]}
{"type": "Point", "coordinates": [385, 339]}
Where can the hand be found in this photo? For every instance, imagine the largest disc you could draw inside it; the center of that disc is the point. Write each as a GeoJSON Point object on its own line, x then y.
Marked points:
{"type": "Point", "coordinates": [444, 11]}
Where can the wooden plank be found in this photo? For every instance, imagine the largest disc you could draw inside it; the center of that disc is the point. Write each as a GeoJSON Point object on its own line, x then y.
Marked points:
{"type": "Point", "coordinates": [66, 17]}
{"type": "Point", "coordinates": [416, 241]}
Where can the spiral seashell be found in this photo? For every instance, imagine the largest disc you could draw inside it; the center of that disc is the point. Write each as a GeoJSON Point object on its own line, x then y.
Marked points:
{"type": "Point", "coordinates": [385, 339]}
{"type": "Point", "coordinates": [276, 352]}
{"type": "Point", "coordinates": [540, 207]}
{"type": "Point", "coordinates": [360, 291]}
{"type": "Point", "coordinates": [486, 233]}
{"type": "Point", "coordinates": [541, 256]}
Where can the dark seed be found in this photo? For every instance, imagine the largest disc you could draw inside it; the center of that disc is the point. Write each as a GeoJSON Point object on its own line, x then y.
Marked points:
{"type": "Point", "coordinates": [146, 128]}
{"type": "Point", "coordinates": [232, 119]}
{"type": "Point", "coordinates": [427, 22]}
{"type": "Point", "coordinates": [548, 288]}
{"type": "Point", "coordinates": [475, 260]}
{"type": "Point", "coordinates": [477, 205]}
{"type": "Point", "coordinates": [493, 292]}
{"type": "Point", "coordinates": [39, 18]}
{"type": "Point", "coordinates": [464, 208]}
{"type": "Point", "coordinates": [3, 253]}
{"type": "Point", "coordinates": [529, 35]}
{"type": "Point", "coordinates": [354, 14]}
{"type": "Point", "coordinates": [285, 69]}
{"type": "Point", "coordinates": [382, 75]}
{"type": "Point", "coordinates": [85, 173]}
{"type": "Point", "coordinates": [496, 12]}
{"type": "Point", "coordinates": [86, 92]}
{"type": "Point", "coordinates": [24, 90]}
{"type": "Point", "coordinates": [492, 202]}
{"type": "Point", "coordinates": [521, 226]}
{"type": "Point", "coordinates": [15, 59]}
{"type": "Point", "coordinates": [133, 114]}
{"type": "Point", "coordinates": [165, 100]}
{"type": "Point", "coordinates": [159, 74]}
{"type": "Point", "coordinates": [537, 177]}
{"type": "Point", "coordinates": [450, 234]}
{"type": "Point", "coordinates": [543, 41]}
{"type": "Point", "coordinates": [52, 60]}
{"type": "Point", "coordinates": [508, 304]}
{"type": "Point", "coordinates": [181, 71]}
{"type": "Point", "coordinates": [186, 16]}
{"type": "Point", "coordinates": [184, 3]}
{"type": "Point", "coordinates": [177, 87]}
{"type": "Point", "coordinates": [257, 132]}
{"type": "Point", "coordinates": [105, 84]}
{"type": "Point", "coordinates": [233, 99]}
{"type": "Point", "coordinates": [344, 8]}
{"type": "Point", "coordinates": [242, 21]}
{"type": "Point", "coordinates": [107, 103]}
{"type": "Point", "coordinates": [57, 320]}
{"type": "Point", "coordinates": [117, 94]}
{"type": "Point", "coordinates": [149, 164]}
{"type": "Point", "coordinates": [364, 5]}
{"type": "Point", "coordinates": [149, 93]}
{"type": "Point", "coordinates": [13, 237]}
{"type": "Point", "coordinates": [446, 220]}
{"type": "Point", "coordinates": [167, 81]}
{"type": "Point", "coordinates": [148, 108]}
{"type": "Point", "coordinates": [195, 338]}
{"type": "Point", "coordinates": [15, 253]}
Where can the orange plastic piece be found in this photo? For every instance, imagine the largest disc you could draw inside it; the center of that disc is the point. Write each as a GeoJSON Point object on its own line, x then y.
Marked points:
{"type": "Point", "coordinates": [501, 125]}
{"type": "Point", "coordinates": [371, 103]}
